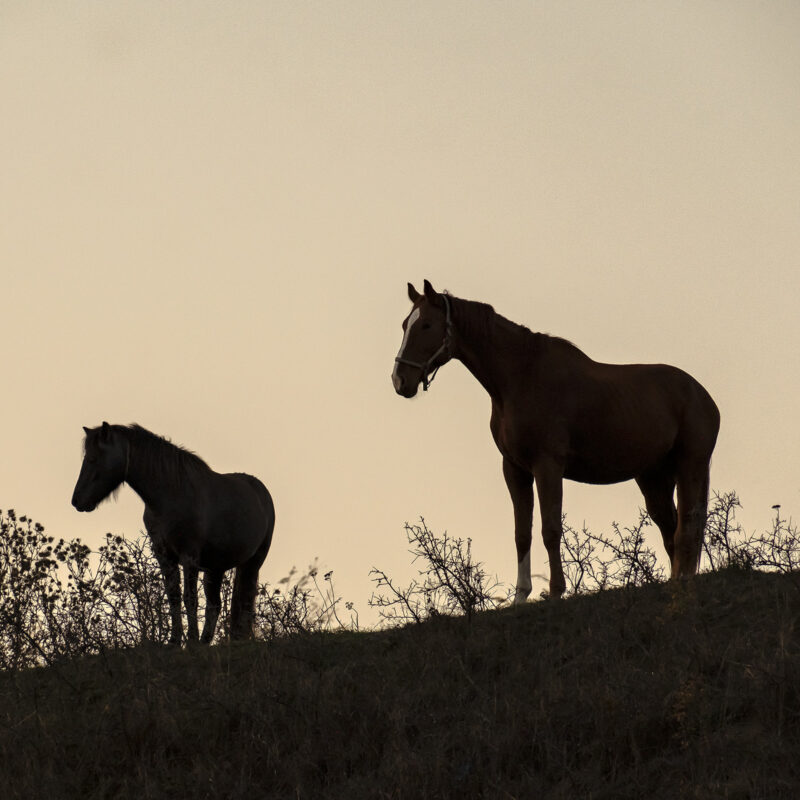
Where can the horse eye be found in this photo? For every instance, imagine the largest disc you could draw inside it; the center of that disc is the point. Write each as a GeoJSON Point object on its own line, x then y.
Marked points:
{"type": "Point", "coordinates": [426, 325]}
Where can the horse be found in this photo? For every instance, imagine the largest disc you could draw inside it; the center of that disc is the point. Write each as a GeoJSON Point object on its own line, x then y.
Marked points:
{"type": "Point", "coordinates": [557, 414]}
{"type": "Point", "coordinates": [196, 518]}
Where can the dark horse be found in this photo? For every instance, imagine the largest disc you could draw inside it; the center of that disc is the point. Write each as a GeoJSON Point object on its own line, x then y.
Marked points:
{"type": "Point", "coordinates": [558, 414]}
{"type": "Point", "coordinates": [196, 518]}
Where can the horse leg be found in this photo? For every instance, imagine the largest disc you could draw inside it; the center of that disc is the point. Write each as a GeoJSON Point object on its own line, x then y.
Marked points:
{"type": "Point", "coordinates": [549, 487]}
{"type": "Point", "coordinates": [658, 488]}
{"type": "Point", "coordinates": [172, 583]}
{"type": "Point", "coordinates": [212, 583]}
{"type": "Point", "coordinates": [693, 482]}
{"type": "Point", "coordinates": [520, 487]}
{"type": "Point", "coordinates": [190, 601]}
{"type": "Point", "coordinates": [241, 615]}
{"type": "Point", "coordinates": [245, 588]}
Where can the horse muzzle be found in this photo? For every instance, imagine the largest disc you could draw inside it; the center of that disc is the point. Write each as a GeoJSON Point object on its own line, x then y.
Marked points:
{"type": "Point", "coordinates": [403, 386]}
{"type": "Point", "coordinates": [82, 505]}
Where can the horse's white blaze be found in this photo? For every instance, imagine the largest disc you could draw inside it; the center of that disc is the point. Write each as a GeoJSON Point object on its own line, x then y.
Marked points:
{"type": "Point", "coordinates": [411, 320]}
{"type": "Point", "coordinates": [524, 584]}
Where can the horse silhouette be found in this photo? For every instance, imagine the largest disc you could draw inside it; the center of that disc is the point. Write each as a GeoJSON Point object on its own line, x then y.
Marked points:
{"type": "Point", "coordinates": [199, 519]}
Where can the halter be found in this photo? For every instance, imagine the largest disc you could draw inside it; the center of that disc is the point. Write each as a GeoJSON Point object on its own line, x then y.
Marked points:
{"type": "Point", "coordinates": [444, 348]}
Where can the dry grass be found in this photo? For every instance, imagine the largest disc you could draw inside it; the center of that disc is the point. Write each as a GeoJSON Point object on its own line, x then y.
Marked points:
{"type": "Point", "coordinates": [687, 689]}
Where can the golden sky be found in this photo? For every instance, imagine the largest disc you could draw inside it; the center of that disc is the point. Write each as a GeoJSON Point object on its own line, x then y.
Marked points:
{"type": "Point", "coordinates": [209, 213]}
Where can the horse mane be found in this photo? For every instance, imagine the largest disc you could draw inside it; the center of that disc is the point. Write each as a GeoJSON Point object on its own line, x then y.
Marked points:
{"type": "Point", "coordinates": [159, 453]}
{"type": "Point", "coordinates": [480, 319]}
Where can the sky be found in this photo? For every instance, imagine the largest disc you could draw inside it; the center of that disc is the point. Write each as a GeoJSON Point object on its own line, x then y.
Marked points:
{"type": "Point", "coordinates": [209, 213]}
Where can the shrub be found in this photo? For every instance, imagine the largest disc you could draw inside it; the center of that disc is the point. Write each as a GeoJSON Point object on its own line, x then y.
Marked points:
{"type": "Point", "coordinates": [595, 561]}
{"type": "Point", "coordinates": [727, 544]}
{"type": "Point", "coordinates": [58, 599]}
{"type": "Point", "coordinates": [449, 581]}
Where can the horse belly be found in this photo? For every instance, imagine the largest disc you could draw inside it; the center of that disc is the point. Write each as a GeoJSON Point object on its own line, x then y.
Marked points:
{"type": "Point", "coordinates": [216, 558]}
{"type": "Point", "coordinates": [603, 474]}
{"type": "Point", "coordinates": [228, 544]}
{"type": "Point", "coordinates": [210, 542]}
{"type": "Point", "coordinates": [612, 454]}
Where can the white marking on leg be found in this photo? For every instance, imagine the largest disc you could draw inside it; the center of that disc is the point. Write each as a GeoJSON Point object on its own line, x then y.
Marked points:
{"type": "Point", "coordinates": [411, 320]}
{"type": "Point", "coordinates": [524, 584]}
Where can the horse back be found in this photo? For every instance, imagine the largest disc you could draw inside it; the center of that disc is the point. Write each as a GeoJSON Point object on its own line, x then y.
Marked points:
{"type": "Point", "coordinates": [605, 422]}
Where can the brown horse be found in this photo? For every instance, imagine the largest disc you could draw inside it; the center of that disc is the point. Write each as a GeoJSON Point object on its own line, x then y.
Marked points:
{"type": "Point", "coordinates": [196, 518]}
{"type": "Point", "coordinates": [558, 414]}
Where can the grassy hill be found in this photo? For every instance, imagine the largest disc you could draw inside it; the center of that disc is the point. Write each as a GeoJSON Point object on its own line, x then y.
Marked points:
{"type": "Point", "coordinates": [688, 689]}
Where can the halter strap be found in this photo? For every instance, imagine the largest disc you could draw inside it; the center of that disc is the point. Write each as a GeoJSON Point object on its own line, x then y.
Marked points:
{"type": "Point", "coordinates": [444, 348]}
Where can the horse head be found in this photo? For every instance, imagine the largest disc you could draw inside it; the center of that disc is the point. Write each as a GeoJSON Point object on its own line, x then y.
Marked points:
{"type": "Point", "coordinates": [104, 468]}
{"type": "Point", "coordinates": [427, 339]}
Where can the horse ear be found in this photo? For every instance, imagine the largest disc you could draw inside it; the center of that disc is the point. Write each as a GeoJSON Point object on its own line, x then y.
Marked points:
{"type": "Point", "coordinates": [86, 430]}
{"type": "Point", "coordinates": [413, 294]}
{"type": "Point", "coordinates": [434, 298]}
{"type": "Point", "coordinates": [105, 432]}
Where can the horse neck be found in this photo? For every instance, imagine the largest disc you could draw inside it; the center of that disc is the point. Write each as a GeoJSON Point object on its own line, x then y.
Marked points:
{"type": "Point", "coordinates": [478, 342]}
{"type": "Point", "coordinates": [149, 478]}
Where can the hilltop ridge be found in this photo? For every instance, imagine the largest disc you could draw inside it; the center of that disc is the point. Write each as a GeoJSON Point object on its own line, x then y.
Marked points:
{"type": "Point", "coordinates": [681, 689]}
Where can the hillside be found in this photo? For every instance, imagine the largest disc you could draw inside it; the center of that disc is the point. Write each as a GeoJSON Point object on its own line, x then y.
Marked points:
{"type": "Point", "coordinates": [687, 689]}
